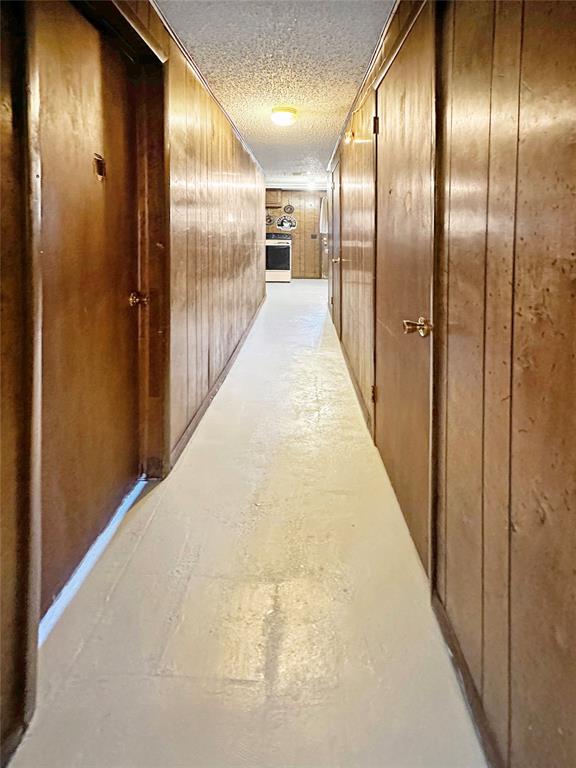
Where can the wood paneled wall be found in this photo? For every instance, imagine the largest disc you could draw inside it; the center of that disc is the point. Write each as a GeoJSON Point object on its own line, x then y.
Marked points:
{"type": "Point", "coordinates": [505, 359]}
{"type": "Point", "coordinates": [306, 239]}
{"type": "Point", "coordinates": [217, 233]}
{"type": "Point", "coordinates": [507, 489]}
{"type": "Point", "coordinates": [357, 217]}
{"type": "Point", "coordinates": [543, 434]}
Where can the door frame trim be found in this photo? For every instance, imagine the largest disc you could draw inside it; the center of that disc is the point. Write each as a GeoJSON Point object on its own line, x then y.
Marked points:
{"type": "Point", "coordinates": [154, 271]}
{"type": "Point", "coordinates": [433, 453]}
{"type": "Point", "coordinates": [436, 306]}
{"type": "Point", "coordinates": [153, 239]}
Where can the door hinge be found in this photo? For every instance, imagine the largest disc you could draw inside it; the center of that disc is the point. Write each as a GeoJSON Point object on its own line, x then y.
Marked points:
{"type": "Point", "coordinates": [376, 124]}
{"type": "Point", "coordinates": [374, 393]}
{"type": "Point", "coordinates": [332, 300]}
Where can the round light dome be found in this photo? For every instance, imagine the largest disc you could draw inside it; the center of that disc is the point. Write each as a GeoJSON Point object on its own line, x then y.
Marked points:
{"type": "Point", "coordinates": [283, 115]}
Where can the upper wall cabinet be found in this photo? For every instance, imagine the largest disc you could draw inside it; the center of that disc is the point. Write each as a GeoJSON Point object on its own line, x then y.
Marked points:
{"type": "Point", "coordinates": [273, 198]}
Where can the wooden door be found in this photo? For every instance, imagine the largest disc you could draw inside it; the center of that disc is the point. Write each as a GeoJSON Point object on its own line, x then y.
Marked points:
{"type": "Point", "coordinates": [404, 274]}
{"type": "Point", "coordinates": [18, 532]}
{"type": "Point", "coordinates": [88, 241]}
{"type": "Point", "coordinates": [335, 269]}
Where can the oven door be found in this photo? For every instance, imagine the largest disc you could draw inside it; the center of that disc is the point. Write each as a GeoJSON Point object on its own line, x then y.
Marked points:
{"type": "Point", "coordinates": [278, 262]}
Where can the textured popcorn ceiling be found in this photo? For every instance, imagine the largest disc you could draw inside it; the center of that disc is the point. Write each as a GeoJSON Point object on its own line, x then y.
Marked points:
{"type": "Point", "coordinates": [258, 54]}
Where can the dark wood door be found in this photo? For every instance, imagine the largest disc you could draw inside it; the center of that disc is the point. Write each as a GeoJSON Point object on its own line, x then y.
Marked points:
{"type": "Point", "coordinates": [18, 534]}
{"type": "Point", "coordinates": [88, 241]}
{"type": "Point", "coordinates": [335, 269]}
{"type": "Point", "coordinates": [404, 274]}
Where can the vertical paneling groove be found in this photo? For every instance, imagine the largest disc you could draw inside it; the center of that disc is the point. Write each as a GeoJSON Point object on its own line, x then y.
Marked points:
{"type": "Point", "coordinates": [471, 80]}
{"type": "Point", "coordinates": [204, 243]}
{"type": "Point", "coordinates": [444, 57]}
{"type": "Point", "coordinates": [483, 365]}
{"type": "Point", "coordinates": [189, 234]}
{"type": "Point", "coordinates": [213, 239]}
{"type": "Point", "coordinates": [507, 755]}
{"type": "Point", "coordinates": [194, 256]}
{"type": "Point", "coordinates": [497, 363]}
{"type": "Point", "coordinates": [178, 243]}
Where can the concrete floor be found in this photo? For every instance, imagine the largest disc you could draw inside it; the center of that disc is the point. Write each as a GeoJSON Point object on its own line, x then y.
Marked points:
{"type": "Point", "coordinates": [264, 606]}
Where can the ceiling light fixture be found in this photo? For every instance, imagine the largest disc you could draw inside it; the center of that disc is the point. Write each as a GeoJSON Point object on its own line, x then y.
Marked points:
{"type": "Point", "coordinates": [283, 115]}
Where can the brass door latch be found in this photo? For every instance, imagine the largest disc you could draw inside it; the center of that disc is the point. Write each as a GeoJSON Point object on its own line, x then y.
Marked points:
{"type": "Point", "coordinates": [138, 299]}
{"type": "Point", "coordinates": [423, 326]}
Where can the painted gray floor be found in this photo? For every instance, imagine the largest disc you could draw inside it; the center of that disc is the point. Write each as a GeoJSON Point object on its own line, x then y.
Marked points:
{"type": "Point", "coordinates": [264, 606]}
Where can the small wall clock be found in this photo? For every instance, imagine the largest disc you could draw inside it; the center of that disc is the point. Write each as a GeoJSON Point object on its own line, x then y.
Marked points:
{"type": "Point", "coordinates": [288, 208]}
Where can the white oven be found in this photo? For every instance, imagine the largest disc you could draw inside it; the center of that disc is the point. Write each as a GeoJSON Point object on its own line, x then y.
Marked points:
{"type": "Point", "coordinates": [278, 258]}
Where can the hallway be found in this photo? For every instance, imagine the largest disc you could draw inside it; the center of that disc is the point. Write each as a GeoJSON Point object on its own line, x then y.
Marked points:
{"type": "Point", "coordinates": [264, 605]}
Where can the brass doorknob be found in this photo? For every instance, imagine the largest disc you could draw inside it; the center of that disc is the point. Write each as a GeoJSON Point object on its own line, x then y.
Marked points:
{"type": "Point", "coordinates": [137, 299]}
{"type": "Point", "coordinates": [423, 326]}
{"type": "Point", "coordinates": [335, 261]}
